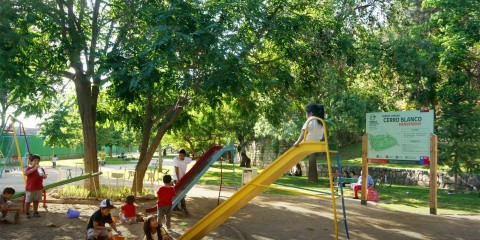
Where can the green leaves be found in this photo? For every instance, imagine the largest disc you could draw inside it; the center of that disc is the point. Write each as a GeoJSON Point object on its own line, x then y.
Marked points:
{"type": "Point", "coordinates": [63, 128]}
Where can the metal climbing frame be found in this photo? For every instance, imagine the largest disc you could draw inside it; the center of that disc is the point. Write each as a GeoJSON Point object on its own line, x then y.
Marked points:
{"type": "Point", "coordinates": [21, 131]}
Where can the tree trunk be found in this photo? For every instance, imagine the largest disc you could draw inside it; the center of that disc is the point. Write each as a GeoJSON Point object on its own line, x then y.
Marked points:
{"type": "Point", "coordinates": [254, 153]}
{"type": "Point", "coordinates": [3, 114]}
{"type": "Point", "coordinates": [190, 144]}
{"type": "Point", "coordinates": [87, 98]}
{"type": "Point", "coordinates": [312, 168]}
{"type": "Point", "coordinates": [143, 161]}
{"type": "Point", "coordinates": [110, 150]}
{"type": "Point", "coordinates": [229, 157]}
{"type": "Point", "coordinates": [147, 149]}
{"type": "Point", "coordinates": [456, 182]}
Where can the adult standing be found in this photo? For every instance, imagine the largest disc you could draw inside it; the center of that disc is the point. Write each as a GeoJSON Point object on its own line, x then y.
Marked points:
{"type": "Point", "coordinates": [33, 191]}
{"type": "Point", "coordinates": [180, 164]}
{"type": "Point", "coordinates": [102, 156]}
{"type": "Point", "coordinates": [54, 160]}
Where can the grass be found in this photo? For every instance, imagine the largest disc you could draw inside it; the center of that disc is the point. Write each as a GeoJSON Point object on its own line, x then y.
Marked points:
{"type": "Point", "coordinates": [229, 177]}
{"type": "Point", "coordinates": [114, 193]}
{"type": "Point", "coordinates": [396, 197]}
{"type": "Point", "coordinates": [417, 199]}
{"type": "Point", "coordinates": [401, 198]}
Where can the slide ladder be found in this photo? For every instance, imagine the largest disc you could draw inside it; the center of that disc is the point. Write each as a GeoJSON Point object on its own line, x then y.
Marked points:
{"type": "Point", "coordinates": [260, 183]}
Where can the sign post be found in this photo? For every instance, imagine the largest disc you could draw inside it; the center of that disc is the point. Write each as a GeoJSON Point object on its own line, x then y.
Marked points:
{"type": "Point", "coordinates": [364, 176]}
{"type": "Point", "coordinates": [433, 174]}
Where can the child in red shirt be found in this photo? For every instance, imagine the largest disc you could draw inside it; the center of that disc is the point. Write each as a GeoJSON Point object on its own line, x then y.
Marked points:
{"type": "Point", "coordinates": [164, 205]}
{"type": "Point", "coordinates": [34, 188]}
{"type": "Point", "coordinates": [128, 212]}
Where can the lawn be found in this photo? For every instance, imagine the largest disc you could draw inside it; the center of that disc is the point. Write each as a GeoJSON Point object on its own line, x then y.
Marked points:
{"type": "Point", "coordinates": [396, 198]}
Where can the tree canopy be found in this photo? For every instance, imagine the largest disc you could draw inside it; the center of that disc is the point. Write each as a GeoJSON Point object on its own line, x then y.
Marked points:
{"type": "Point", "coordinates": [197, 70]}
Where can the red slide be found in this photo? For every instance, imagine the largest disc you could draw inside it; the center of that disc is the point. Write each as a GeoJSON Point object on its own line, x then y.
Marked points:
{"type": "Point", "coordinates": [201, 163]}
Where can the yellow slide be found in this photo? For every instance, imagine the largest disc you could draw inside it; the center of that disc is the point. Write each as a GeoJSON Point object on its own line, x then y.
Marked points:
{"type": "Point", "coordinates": [256, 186]}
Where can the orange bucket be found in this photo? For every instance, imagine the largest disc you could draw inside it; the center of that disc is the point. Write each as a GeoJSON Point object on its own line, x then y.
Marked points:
{"type": "Point", "coordinates": [119, 238]}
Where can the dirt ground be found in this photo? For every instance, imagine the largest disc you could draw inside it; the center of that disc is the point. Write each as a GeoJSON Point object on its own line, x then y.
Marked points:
{"type": "Point", "coordinates": [267, 217]}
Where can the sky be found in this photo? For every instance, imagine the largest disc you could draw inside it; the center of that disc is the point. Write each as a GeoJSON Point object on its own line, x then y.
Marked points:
{"type": "Point", "coordinates": [29, 122]}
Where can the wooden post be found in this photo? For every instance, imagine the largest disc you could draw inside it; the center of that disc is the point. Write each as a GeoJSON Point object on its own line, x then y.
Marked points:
{"type": "Point", "coordinates": [433, 174]}
{"type": "Point", "coordinates": [364, 169]}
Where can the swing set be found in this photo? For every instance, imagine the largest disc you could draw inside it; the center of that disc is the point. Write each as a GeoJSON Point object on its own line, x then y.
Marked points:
{"type": "Point", "coordinates": [12, 129]}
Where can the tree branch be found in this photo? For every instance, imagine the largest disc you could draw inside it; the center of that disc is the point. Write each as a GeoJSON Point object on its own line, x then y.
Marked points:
{"type": "Point", "coordinates": [157, 119]}
{"type": "Point", "coordinates": [93, 43]}
{"type": "Point", "coordinates": [63, 25]}
{"type": "Point", "coordinates": [65, 74]}
{"type": "Point", "coordinates": [179, 104]}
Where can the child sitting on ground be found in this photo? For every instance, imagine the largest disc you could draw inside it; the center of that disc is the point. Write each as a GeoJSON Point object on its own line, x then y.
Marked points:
{"type": "Point", "coordinates": [6, 206]}
{"type": "Point", "coordinates": [128, 213]}
{"type": "Point", "coordinates": [164, 204]}
{"type": "Point", "coordinates": [96, 229]}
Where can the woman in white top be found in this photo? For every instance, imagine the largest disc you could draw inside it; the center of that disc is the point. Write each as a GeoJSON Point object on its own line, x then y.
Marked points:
{"type": "Point", "coordinates": [315, 133]}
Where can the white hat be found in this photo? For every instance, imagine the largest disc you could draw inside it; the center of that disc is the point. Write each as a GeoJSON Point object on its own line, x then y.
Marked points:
{"type": "Point", "coordinates": [106, 204]}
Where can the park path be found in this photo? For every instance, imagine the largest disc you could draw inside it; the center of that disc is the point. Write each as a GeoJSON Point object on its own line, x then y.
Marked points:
{"type": "Point", "coordinates": [14, 179]}
{"type": "Point", "coordinates": [273, 216]}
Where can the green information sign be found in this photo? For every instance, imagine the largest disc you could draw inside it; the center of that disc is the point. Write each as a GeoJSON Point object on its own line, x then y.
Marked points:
{"type": "Point", "coordinates": [399, 137]}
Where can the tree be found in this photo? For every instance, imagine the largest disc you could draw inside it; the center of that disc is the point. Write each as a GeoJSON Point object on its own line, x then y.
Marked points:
{"type": "Point", "coordinates": [72, 38]}
{"type": "Point", "coordinates": [178, 58]}
{"type": "Point", "coordinates": [63, 127]}
{"type": "Point", "coordinates": [22, 89]}
{"type": "Point", "coordinates": [456, 26]}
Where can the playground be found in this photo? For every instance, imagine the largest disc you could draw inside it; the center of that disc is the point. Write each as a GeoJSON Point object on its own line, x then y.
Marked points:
{"type": "Point", "coordinates": [94, 93]}
{"type": "Point", "coordinates": [296, 217]}
{"type": "Point", "coordinates": [242, 213]}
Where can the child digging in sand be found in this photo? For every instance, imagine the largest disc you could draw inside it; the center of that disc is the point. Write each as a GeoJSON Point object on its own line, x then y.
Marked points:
{"type": "Point", "coordinates": [6, 206]}
{"type": "Point", "coordinates": [128, 213]}
{"type": "Point", "coordinates": [96, 225]}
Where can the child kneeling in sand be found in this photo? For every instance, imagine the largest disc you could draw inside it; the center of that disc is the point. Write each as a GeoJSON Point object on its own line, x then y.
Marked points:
{"type": "Point", "coordinates": [6, 206]}
{"type": "Point", "coordinates": [128, 212]}
{"type": "Point", "coordinates": [96, 225]}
